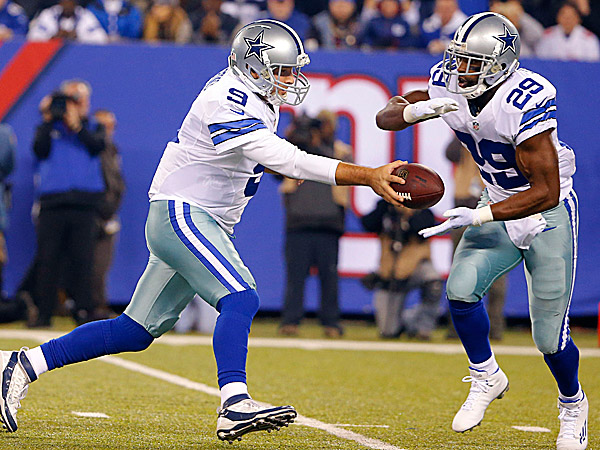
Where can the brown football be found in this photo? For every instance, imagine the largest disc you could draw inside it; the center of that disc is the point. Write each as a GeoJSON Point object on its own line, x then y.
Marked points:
{"type": "Point", "coordinates": [423, 187]}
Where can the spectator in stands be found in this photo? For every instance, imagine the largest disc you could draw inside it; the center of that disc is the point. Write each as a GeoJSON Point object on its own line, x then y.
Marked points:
{"type": "Point", "coordinates": [311, 7]}
{"type": "Point", "coordinates": [245, 11]}
{"type": "Point", "coordinates": [467, 191]}
{"type": "Point", "coordinates": [67, 20]}
{"type": "Point", "coordinates": [70, 189]}
{"type": "Point", "coordinates": [335, 28]}
{"type": "Point", "coordinates": [438, 29]}
{"type": "Point", "coordinates": [108, 219]}
{"type": "Point", "coordinates": [569, 40]}
{"type": "Point", "coordinates": [211, 25]}
{"type": "Point", "coordinates": [388, 29]}
{"type": "Point", "coordinates": [530, 30]}
{"type": "Point", "coordinates": [13, 20]}
{"type": "Point", "coordinates": [314, 224]}
{"type": "Point", "coordinates": [405, 265]}
{"type": "Point", "coordinates": [285, 11]}
{"type": "Point", "coordinates": [167, 21]}
{"type": "Point", "coordinates": [121, 19]}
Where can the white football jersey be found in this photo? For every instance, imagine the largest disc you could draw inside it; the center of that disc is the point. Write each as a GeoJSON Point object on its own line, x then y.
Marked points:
{"type": "Point", "coordinates": [523, 106]}
{"type": "Point", "coordinates": [222, 148]}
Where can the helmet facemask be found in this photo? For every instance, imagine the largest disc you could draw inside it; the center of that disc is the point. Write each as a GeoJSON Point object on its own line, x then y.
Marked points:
{"type": "Point", "coordinates": [489, 71]}
{"type": "Point", "coordinates": [293, 93]}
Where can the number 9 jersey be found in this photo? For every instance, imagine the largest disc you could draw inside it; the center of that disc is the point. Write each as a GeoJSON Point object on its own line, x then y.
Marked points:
{"type": "Point", "coordinates": [522, 107]}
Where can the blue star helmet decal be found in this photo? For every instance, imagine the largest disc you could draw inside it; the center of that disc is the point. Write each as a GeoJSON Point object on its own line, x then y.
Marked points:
{"type": "Point", "coordinates": [508, 41]}
{"type": "Point", "coordinates": [256, 46]}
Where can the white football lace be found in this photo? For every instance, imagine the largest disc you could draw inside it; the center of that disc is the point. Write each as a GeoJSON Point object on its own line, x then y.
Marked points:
{"type": "Point", "coordinates": [568, 420]}
{"type": "Point", "coordinates": [477, 387]}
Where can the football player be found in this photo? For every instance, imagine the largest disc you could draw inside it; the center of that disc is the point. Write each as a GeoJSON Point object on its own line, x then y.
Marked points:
{"type": "Point", "coordinates": [506, 117]}
{"type": "Point", "coordinates": [203, 182]}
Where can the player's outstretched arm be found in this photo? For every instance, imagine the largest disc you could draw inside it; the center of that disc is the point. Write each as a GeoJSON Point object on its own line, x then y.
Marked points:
{"type": "Point", "coordinates": [416, 106]}
{"type": "Point", "coordinates": [378, 179]}
{"type": "Point", "coordinates": [538, 162]}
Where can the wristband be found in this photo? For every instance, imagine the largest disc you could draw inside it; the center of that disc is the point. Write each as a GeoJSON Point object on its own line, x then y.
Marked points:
{"type": "Point", "coordinates": [408, 114]}
{"type": "Point", "coordinates": [482, 215]}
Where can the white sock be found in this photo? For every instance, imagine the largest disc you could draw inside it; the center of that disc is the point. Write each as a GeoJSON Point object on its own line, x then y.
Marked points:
{"type": "Point", "coordinates": [575, 398]}
{"type": "Point", "coordinates": [231, 389]}
{"type": "Point", "coordinates": [490, 366]}
{"type": "Point", "coordinates": [37, 360]}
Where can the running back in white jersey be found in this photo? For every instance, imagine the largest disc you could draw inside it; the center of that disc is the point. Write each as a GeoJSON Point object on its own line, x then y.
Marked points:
{"type": "Point", "coordinates": [523, 106]}
{"type": "Point", "coordinates": [222, 148]}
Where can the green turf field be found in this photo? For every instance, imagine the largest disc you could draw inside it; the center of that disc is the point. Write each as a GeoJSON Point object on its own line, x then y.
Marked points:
{"type": "Point", "coordinates": [386, 399]}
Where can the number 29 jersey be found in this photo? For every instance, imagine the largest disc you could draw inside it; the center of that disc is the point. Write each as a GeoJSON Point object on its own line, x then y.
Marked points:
{"type": "Point", "coordinates": [523, 106]}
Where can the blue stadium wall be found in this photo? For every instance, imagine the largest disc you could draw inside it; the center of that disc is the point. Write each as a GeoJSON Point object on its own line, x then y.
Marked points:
{"type": "Point", "coordinates": [150, 88]}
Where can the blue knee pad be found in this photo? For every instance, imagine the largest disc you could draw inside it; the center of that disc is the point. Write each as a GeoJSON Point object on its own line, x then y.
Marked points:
{"type": "Point", "coordinates": [230, 338]}
{"type": "Point", "coordinates": [94, 339]}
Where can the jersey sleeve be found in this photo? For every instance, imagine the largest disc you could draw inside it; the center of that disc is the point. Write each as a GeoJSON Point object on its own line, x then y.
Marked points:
{"type": "Point", "coordinates": [531, 108]}
{"type": "Point", "coordinates": [436, 86]}
{"type": "Point", "coordinates": [285, 158]}
{"type": "Point", "coordinates": [230, 129]}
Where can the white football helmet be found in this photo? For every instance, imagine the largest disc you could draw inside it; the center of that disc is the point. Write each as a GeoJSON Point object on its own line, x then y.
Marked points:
{"type": "Point", "coordinates": [486, 38]}
{"type": "Point", "coordinates": [263, 48]}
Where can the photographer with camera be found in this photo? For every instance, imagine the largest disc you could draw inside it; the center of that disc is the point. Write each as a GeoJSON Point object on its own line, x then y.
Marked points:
{"type": "Point", "coordinates": [70, 188]}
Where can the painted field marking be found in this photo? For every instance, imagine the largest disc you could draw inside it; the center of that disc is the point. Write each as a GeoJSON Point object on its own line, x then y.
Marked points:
{"type": "Point", "coordinates": [317, 344]}
{"type": "Point", "coordinates": [359, 426]}
{"type": "Point", "coordinates": [532, 429]}
{"type": "Point", "coordinates": [300, 420]}
{"type": "Point", "coordinates": [90, 414]}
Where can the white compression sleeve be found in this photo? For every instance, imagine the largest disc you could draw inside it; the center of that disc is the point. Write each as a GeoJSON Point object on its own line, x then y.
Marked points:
{"type": "Point", "coordinates": [285, 158]}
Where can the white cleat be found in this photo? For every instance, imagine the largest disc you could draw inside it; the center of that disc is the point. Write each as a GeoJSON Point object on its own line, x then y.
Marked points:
{"type": "Point", "coordinates": [240, 415]}
{"type": "Point", "coordinates": [484, 390]}
{"type": "Point", "coordinates": [573, 425]}
{"type": "Point", "coordinates": [17, 373]}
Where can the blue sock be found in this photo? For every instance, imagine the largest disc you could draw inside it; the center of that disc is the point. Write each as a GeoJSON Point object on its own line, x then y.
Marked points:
{"type": "Point", "coordinates": [564, 365]}
{"type": "Point", "coordinates": [94, 339]}
{"type": "Point", "coordinates": [472, 325]}
{"type": "Point", "coordinates": [230, 338]}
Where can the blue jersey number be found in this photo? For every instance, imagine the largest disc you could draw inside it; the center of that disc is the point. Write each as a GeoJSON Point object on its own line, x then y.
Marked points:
{"type": "Point", "coordinates": [518, 96]}
{"type": "Point", "coordinates": [253, 182]}
{"type": "Point", "coordinates": [500, 156]}
{"type": "Point", "coordinates": [237, 96]}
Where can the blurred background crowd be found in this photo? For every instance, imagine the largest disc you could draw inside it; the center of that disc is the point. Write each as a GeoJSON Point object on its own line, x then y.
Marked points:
{"type": "Point", "coordinates": [554, 29]}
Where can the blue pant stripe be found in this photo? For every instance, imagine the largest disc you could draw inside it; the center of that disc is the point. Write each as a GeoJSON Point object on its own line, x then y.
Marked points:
{"type": "Point", "coordinates": [565, 331]}
{"type": "Point", "coordinates": [194, 250]}
{"type": "Point", "coordinates": [211, 248]}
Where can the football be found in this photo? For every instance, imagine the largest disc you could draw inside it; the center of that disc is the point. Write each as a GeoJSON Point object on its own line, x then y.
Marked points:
{"type": "Point", "coordinates": [423, 187]}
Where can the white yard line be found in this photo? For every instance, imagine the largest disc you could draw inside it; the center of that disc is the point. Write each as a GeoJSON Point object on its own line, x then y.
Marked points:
{"type": "Point", "coordinates": [300, 420]}
{"type": "Point", "coordinates": [317, 344]}
{"type": "Point", "coordinates": [95, 415]}
{"type": "Point", "coordinates": [531, 429]}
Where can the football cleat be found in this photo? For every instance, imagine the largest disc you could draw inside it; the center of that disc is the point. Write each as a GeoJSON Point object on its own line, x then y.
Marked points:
{"type": "Point", "coordinates": [573, 425]}
{"type": "Point", "coordinates": [485, 388]}
{"type": "Point", "coordinates": [17, 373]}
{"type": "Point", "coordinates": [240, 415]}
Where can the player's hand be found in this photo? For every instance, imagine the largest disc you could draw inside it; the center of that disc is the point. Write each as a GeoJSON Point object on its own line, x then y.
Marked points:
{"type": "Point", "coordinates": [380, 182]}
{"type": "Point", "coordinates": [429, 108]}
{"type": "Point", "coordinates": [459, 217]}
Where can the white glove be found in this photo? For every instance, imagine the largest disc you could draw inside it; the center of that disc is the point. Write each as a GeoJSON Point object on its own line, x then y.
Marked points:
{"type": "Point", "coordinates": [428, 108]}
{"type": "Point", "coordinates": [460, 217]}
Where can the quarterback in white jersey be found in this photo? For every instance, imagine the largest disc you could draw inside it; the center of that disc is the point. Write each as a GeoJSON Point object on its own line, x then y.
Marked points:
{"type": "Point", "coordinates": [222, 148]}
{"type": "Point", "coordinates": [506, 118]}
{"type": "Point", "coordinates": [201, 187]}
